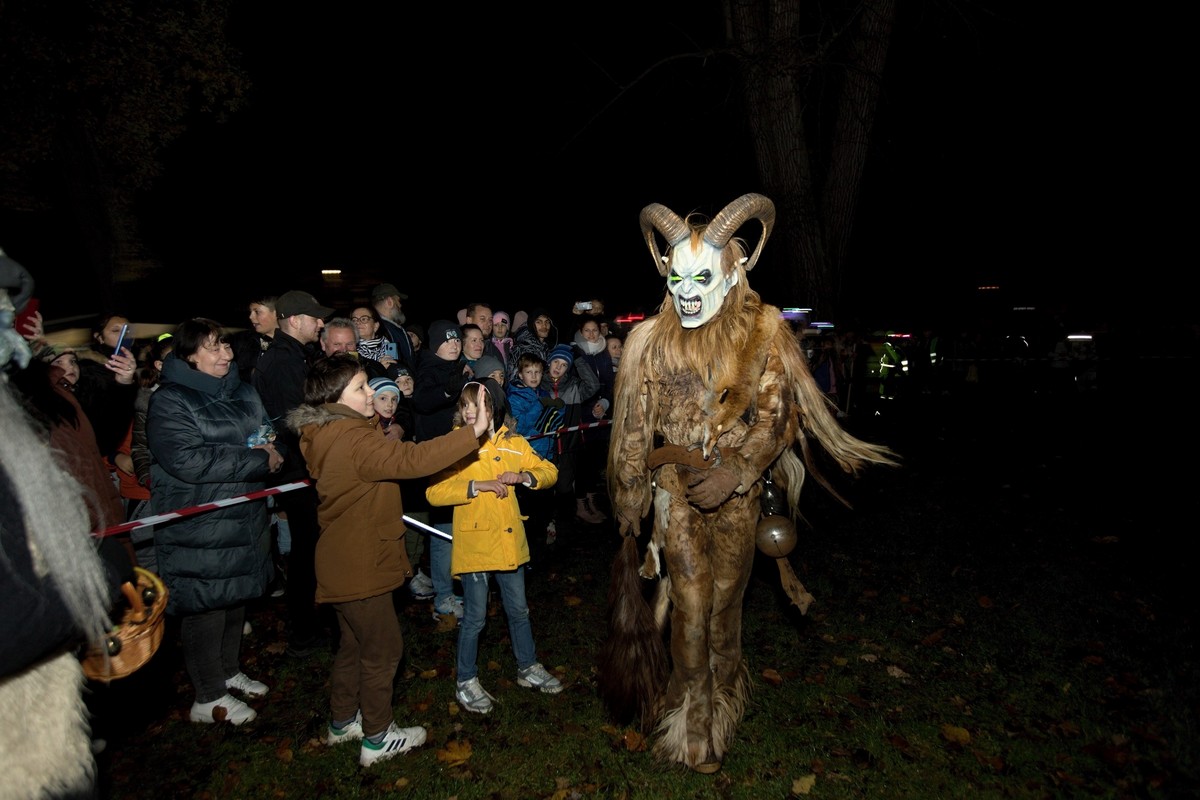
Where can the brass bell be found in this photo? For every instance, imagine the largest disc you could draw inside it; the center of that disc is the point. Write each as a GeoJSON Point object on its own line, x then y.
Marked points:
{"type": "Point", "coordinates": [775, 536]}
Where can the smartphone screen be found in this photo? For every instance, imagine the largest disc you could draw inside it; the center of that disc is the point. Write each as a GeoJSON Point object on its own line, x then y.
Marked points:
{"type": "Point", "coordinates": [390, 349]}
{"type": "Point", "coordinates": [121, 340]}
{"type": "Point", "coordinates": [25, 316]}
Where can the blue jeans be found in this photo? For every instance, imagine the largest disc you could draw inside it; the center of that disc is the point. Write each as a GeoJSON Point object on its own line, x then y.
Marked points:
{"type": "Point", "coordinates": [439, 565]}
{"type": "Point", "coordinates": [475, 597]}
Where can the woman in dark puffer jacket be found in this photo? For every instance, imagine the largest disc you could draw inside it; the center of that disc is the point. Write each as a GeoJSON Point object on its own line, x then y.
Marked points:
{"type": "Point", "coordinates": [213, 562]}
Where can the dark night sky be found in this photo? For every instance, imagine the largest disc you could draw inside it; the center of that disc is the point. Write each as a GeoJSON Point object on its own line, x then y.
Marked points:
{"type": "Point", "coordinates": [1015, 148]}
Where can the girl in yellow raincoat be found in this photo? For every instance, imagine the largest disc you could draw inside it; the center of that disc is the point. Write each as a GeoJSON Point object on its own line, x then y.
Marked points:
{"type": "Point", "coordinates": [489, 539]}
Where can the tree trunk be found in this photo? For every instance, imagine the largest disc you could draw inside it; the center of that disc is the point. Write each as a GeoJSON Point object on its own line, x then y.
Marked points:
{"type": "Point", "coordinates": [814, 183]}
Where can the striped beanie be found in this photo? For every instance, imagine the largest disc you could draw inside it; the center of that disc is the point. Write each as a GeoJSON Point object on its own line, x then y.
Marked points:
{"type": "Point", "coordinates": [562, 351]}
{"type": "Point", "coordinates": [384, 385]}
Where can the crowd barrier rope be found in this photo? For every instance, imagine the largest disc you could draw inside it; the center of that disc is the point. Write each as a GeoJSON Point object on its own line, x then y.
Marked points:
{"type": "Point", "coordinates": [158, 519]}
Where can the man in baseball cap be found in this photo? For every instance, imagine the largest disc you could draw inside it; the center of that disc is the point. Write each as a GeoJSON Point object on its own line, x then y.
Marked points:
{"type": "Point", "coordinates": [279, 378]}
{"type": "Point", "coordinates": [295, 303]}
{"type": "Point", "coordinates": [386, 299]}
{"type": "Point", "coordinates": [386, 290]}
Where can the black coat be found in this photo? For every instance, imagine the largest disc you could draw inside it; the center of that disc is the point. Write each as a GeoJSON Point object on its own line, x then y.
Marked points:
{"type": "Point", "coordinates": [436, 387]}
{"type": "Point", "coordinates": [279, 381]}
{"type": "Point", "coordinates": [197, 427]}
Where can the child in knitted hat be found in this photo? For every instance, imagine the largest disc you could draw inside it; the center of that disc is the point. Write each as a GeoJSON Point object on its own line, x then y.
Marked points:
{"type": "Point", "coordinates": [387, 395]}
{"type": "Point", "coordinates": [489, 367]}
{"type": "Point", "coordinates": [393, 404]}
{"type": "Point", "coordinates": [500, 330]}
{"type": "Point", "coordinates": [572, 382]}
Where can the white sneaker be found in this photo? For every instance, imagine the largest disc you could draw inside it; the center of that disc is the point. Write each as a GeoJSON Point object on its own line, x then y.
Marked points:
{"type": "Point", "coordinates": [421, 586]}
{"type": "Point", "coordinates": [246, 629]}
{"type": "Point", "coordinates": [452, 606]}
{"type": "Point", "coordinates": [535, 676]}
{"type": "Point", "coordinates": [395, 742]}
{"type": "Point", "coordinates": [223, 709]}
{"type": "Point", "coordinates": [246, 685]}
{"type": "Point", "coordinates": [473, 697]}
{"type": "Point", "coordinates": [350, 733]}
{"type": "Point", "coordinates": [551, 533]}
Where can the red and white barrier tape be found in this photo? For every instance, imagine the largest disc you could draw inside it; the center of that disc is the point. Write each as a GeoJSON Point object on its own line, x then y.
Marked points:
{"type": "Point", "coordinates": [147, 522]}
{"type": "Point", "coordinates": [571, 429]}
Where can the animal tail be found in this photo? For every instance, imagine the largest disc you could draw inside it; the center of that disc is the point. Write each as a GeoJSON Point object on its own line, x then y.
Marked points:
{"type": "Point", "coordinates": [816, 416]}
{"type": "Point", "coordinates": [632, 663]}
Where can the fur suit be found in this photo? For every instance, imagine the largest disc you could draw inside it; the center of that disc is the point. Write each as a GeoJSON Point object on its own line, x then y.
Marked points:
{"type": "Point", "coordinates": [732, 389]}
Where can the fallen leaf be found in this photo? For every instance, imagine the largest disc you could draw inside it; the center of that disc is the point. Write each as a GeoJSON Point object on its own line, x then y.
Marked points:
{"type": "Point", "coordinates": [934, 637]}
{"type": "Point", "coordinates": [803, 785]}
{"type": "Point", "coordinates": [838, 661]}
{"type": "Point", "coordinates": [572, 600]}
{"type": "Point", "coordinates": [896, 672]}
{"type": "Point", "coordinates": [900, 743]}
{"type": "Point", "coordinates": [772, 676]}
{"type": "Point", "coordinates": [955, 734]}
{"type": "Point", "coordinates": [284, 754]}
{"type": "Point", "coordinates": [995, 763]}
{"type": "Point", "coordinates": [870, 658]}
{"type": "Point", "coordinates": [985, 601]}
{"type": "Point", "coordinates": [634, 742]}
{"type": "Point", "coordinates": [456, 753]}
{"type": "Point", "coordinates": [429, 673]}
{"type": "Point", "coordinates": [857, 701]}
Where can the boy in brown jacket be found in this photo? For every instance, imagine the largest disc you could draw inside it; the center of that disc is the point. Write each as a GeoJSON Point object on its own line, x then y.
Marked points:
{"type": "Point", "coordinates": [361, 556]}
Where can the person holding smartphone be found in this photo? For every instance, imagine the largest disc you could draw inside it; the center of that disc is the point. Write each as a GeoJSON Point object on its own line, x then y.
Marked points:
{"type": "Point", "coordinates": [107, 383]}
{"type": "Point", "coordinates": [379, 353]}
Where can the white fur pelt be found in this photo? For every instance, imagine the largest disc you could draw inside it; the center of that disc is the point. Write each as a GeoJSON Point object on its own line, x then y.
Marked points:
{"type": "Point", "coordinates": [45, 741]}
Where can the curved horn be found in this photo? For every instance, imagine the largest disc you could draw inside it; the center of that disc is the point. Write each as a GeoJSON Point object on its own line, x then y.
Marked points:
{"type": "Point", "coordinates": [735, 215]}
{"type": "Point", "coordinates": [657, 217]}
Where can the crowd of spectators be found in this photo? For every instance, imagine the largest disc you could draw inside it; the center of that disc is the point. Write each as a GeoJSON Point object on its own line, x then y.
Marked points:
{"type": "Point", "coordinates": [153, 422]}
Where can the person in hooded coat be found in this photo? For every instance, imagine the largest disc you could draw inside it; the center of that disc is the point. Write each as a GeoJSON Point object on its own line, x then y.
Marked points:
{"type": "Point", "coordinates": [214, 562]}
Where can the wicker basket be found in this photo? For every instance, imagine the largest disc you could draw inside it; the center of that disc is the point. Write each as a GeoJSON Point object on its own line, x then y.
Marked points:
{"type": "Point", "coordinates": [136, 638]}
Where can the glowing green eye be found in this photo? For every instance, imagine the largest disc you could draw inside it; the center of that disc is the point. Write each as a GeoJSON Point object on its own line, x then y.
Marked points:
{"type": "Point", "coordinates": [673, 278]}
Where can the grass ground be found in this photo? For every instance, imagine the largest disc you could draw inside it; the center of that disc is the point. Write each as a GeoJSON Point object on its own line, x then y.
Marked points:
{"type": "Point", "coordinates": [1008, 615]}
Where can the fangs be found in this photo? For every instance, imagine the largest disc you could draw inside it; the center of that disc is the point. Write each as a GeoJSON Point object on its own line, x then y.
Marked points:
{"type": "Point", "coordinates": [691, 306]}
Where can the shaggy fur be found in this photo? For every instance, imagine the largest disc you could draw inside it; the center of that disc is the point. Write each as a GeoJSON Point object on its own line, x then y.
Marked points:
{"type": "Point", "coordinates": [46, 743]}
{"type": "Point", "coordinates": [737, 388]}
{"type": "Point", "coordinates": [634, 655]}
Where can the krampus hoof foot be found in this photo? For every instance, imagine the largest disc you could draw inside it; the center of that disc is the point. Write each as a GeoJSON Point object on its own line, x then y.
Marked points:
{"type": "Point", "coordinates": [707, 767]}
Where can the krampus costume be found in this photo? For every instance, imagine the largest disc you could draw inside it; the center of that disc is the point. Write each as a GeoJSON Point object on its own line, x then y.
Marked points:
{"type": "Point", "coordinates": [713, 402]}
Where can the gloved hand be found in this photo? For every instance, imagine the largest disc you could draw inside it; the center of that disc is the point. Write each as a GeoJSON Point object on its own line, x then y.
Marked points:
{"type": "Point", "coordinates": [551, 402]}
{"type": "Point", "coordinates": [711, 488]}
